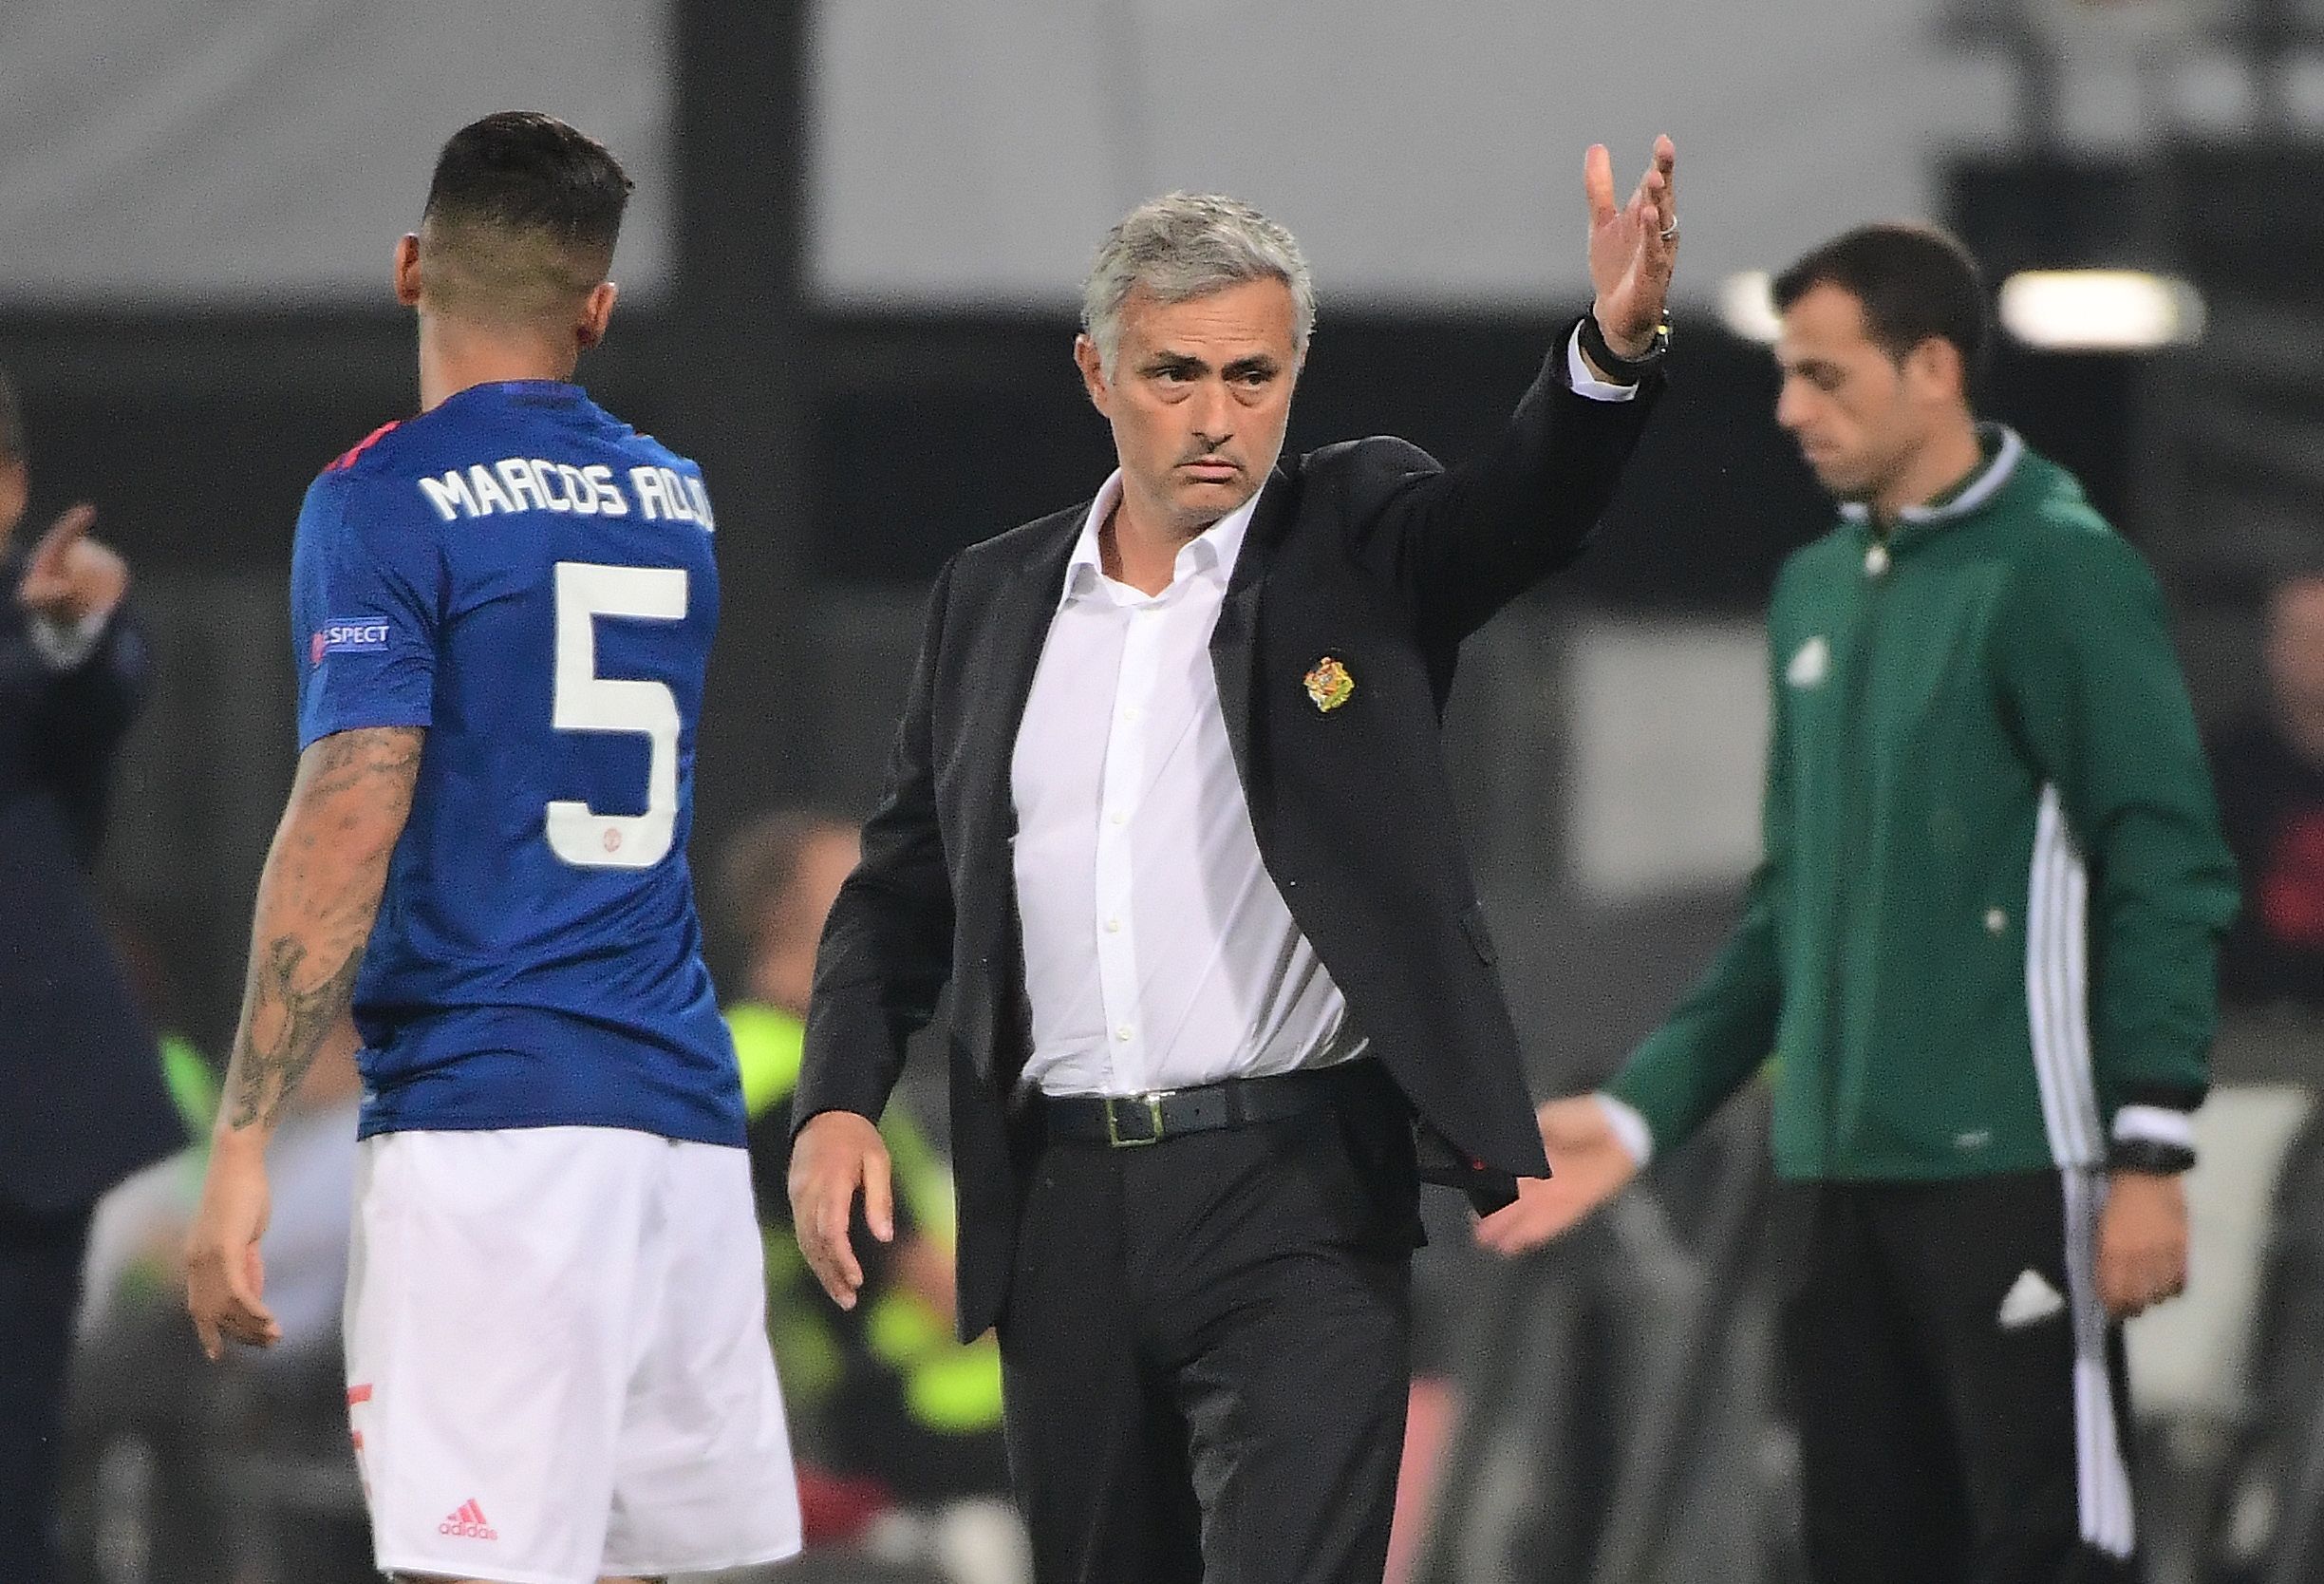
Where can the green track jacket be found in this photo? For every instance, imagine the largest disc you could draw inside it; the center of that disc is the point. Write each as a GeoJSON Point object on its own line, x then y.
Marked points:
{"type": "Point", "coordinates": [1994, 881]}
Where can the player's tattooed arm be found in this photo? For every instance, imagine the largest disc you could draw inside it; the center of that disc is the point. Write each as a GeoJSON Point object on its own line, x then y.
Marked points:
{"type": "Point", "coordinates": [317, 898]}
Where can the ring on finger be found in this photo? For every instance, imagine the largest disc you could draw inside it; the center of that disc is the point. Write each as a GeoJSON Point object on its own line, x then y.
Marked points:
{"type": "Point", "coordinates": [1670, 231]}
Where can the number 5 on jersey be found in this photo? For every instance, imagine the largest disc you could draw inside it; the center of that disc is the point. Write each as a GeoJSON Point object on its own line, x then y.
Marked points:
{"type": "Point", "coordinates": [586, 702]}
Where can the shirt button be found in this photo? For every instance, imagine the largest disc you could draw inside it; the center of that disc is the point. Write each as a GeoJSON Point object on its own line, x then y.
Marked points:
{"type": "Point", "coordinates": [1118, 818]}
{"type": "Point", "coordinates": [1124, 1033]}
{"type": "Point", "coordinates": [1113, 926]}
{"type": "Point", "coordinates": [1876, 561]}
{"type": "Point", "coordinates": [1996, 921]}
{"type": "Point", "coordinates": [1130, 717]}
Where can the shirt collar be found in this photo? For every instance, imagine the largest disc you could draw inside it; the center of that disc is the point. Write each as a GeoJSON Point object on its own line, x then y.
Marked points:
{"type": "Point", "coordinates": [1999, 450]}
{"type": "Point", "coordinates": [1214, 551]}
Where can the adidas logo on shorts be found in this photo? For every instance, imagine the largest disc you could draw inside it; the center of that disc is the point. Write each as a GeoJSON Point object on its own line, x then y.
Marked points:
{"type": "Point", "coordinates": [468, 1524]}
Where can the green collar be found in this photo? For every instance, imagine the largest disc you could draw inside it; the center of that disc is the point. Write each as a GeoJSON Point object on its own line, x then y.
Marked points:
{"type": "Point", "coordinates": [2002, 451]}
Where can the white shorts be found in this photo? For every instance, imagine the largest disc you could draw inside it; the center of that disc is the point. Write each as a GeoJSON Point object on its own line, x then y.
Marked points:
{"type": "Point", "coordinates": [557, 1361]}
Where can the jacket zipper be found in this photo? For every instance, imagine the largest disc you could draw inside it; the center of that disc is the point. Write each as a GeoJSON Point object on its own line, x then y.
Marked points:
{"type": "Point", "coordinates": [1875, 571]}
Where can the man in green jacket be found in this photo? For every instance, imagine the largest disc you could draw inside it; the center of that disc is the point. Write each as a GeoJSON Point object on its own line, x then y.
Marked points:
{"type": "Point", "coordinates": [1980, 949]}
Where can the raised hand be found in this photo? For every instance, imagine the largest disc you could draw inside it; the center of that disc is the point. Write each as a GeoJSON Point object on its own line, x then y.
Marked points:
{"type": "Point", "coordinates": [1591, 1167]}
{"type": "Point", "coordinates": [1633, 247]}
{"type": "Point", "coordinates": [69, 575]}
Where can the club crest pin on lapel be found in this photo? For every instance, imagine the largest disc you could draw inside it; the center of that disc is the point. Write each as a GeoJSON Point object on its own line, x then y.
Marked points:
{"type": "Point", "coordinates": [1329, 684]}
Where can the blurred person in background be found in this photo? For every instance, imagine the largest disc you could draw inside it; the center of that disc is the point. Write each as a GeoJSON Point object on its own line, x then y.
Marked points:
{"type": "Point", "coordinates": [81, 1103]}
{"type": "Point", "coordinates": [1980, 947]}
{"type": "Point", "coordinates": [159, 1442]}
{"type": "Point", "coordinates": [556, 1358]}
{"type": "Point", "coordinates": [1168, 810]}
{"type": "Point", "coordinates": [2270, 769]}
{"type": "Point", "coordinates": [881, 1392]}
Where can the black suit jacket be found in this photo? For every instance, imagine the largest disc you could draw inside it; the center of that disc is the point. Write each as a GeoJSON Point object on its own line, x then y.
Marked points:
{"type": "Point", "coordinates": [1368, 552]}
{"type": "Point", "coordinates": [82, 1100]}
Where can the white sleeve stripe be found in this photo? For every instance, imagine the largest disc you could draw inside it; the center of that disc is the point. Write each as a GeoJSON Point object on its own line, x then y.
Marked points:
{"type": "Point", "coordinates": [2157, 1124]}
{"type": "Point", "coordinates": [1629, 1127]}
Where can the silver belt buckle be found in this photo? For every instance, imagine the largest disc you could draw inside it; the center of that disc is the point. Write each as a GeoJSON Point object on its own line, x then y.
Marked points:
{"type": "Point", "coordinates": [1117, 1106]}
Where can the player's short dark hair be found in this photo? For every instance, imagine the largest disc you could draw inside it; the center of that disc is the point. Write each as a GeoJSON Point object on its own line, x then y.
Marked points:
{"type": "Point", "coordinates": [1916, 284]}
{"type": "Point", "coordinates": [12, 423]}
{"type": "Point", "coordinates": [523, 210]}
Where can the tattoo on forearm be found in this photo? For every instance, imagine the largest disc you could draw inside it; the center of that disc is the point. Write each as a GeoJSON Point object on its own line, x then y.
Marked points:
{"type": "Point", "coordinates": [268, 1069]}
{"type": "Point", "coordinates": [318, 900]}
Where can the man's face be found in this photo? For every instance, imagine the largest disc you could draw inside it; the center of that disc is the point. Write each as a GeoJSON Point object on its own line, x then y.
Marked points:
{"type": "Point", "coordinates": [1857, 414]}
{"type": "Point", "coordinates": [1199, 398]}
{"type": "Point", "coordinates": [2295, 644]}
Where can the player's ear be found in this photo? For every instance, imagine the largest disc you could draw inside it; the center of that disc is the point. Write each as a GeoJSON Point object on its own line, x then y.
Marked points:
{"type": "Point", "coordinates": [1935, 365]}
{"type": "Point", "coordinates": [595, 311]}
{"type": "Point", "coordinates": [1092, 371]}
{"type": "Point", "coordinates": [407, 271]}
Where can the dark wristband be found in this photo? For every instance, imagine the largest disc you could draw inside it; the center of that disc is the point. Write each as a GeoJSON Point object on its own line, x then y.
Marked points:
{"type": "Point", "coordinates": [2149, 1155]}
{"type": "Point", "coordinates": [1622, 370]}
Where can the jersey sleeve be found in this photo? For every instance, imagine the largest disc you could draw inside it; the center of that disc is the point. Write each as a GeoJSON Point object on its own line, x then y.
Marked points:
{"type": "Point", "coordinates": [365, 606]}
{"type": "Point", "coordinates": [2093, 684]}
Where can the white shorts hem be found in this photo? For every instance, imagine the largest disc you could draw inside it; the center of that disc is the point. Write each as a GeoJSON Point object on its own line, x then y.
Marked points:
{"type": "Point", "coordinates": [467, 1569]}
{"type": "Point", "coordinates": [663, 1570]}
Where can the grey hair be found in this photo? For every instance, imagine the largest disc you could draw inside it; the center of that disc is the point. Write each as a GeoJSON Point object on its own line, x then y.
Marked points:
{"type": "Point", "coordinates": [1188, 245]}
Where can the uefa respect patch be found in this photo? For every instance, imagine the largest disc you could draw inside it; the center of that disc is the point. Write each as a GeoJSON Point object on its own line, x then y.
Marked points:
{"type": "Point", "coordinates": [347, 635]}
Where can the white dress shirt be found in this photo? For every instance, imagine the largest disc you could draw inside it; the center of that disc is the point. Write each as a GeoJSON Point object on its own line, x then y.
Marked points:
{"type": "Point", "coordinates": [1158, 954]}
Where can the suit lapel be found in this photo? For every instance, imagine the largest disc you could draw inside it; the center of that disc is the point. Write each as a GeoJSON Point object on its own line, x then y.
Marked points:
{"type": "Point", "coordinates": [1007, 653]}
{"type": "Point", "coordinates": [1022, 611]}
{"type": "Point", "coordinates": [1234, 640]}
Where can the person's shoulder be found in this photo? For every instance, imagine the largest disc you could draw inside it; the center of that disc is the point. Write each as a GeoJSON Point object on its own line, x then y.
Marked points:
{"type": "Point", "coordinates": [366, 454]}
{"type": "Point", "coordinates": [1006, 551]}
{"type": "Point", "coordinates": [647, 449]}
{"type": "Point", "coordinates": [2058, 539]}
{"type": "Point", "coordinates": [1834, 552]}
{"type": "Point", "coordinates": [361, 480]}
{"type": "Point", "coordinates": [1375, 462]}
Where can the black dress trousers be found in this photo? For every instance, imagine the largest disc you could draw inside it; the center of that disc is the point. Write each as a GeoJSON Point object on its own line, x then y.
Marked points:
{"type": "Point", "coordinates": [1207, 1349]}
{"type": "Point", "coordinates": [40, 1292]}
{"type": "Point", "coordinates": [1961, 1395]}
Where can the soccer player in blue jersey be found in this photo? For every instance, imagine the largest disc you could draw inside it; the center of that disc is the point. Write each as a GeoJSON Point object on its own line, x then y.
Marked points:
{"type": "Point", "coordinates": [558, 1363]}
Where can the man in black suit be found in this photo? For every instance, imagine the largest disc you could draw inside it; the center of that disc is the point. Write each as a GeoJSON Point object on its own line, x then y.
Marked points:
{"type": "Point", "coordinates": [82, 1103]}
{"type": "Point", "coordinates": [1168, 809]}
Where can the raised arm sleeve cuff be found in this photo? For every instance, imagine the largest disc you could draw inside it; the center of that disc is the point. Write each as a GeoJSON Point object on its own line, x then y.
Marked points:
{"type": "Point", "coordinates": [1586, 384]}
{"type": "Point", "coordinates": [66, 646]}
{"type": "Point", "coordinates": [2156, 1124]}
{"type": "Point", "coordinates": [1629, 1127]}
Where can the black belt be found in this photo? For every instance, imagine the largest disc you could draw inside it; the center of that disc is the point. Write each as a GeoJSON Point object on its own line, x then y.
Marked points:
{"type": "Point", "coordinates": [1125, 1121]}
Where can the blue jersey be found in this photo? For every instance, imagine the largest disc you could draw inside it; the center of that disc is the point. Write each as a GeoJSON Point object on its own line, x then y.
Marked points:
{"type": "Point", "coordinates": [532, 581]}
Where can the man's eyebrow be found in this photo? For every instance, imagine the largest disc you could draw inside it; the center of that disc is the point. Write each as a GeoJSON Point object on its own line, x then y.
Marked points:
{"type": "Point", "coordinates": [1160, 362]}
{"type": "Point", "coordinates": [1257, 363]}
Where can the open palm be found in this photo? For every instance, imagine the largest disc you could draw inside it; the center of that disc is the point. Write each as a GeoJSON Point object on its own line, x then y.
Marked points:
{"type": "Point", "coordinates": [1591, 1167]}
{"type": "Point", "coordinates": [1633, 247]}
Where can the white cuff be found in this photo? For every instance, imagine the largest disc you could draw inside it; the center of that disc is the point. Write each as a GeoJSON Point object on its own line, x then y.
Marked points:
{"type": "Point", "coordinates": [2158, 1125]}
{"type": "Point", "coordinates": [64, 646]}
{"type": "Point", "coordinates": [1629, 1127]}
{"type": "Point", "coordinates": [1586, 384]}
